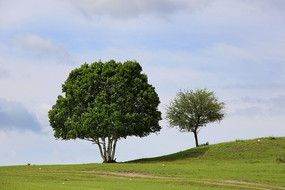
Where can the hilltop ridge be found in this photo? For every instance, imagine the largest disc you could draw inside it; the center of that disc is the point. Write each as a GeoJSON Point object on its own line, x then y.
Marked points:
{"type": "Point", "coordinates": [253, 150]}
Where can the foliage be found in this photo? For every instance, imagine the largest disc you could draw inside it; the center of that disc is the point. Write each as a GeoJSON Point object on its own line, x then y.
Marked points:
{"type": "Point", "coordinates": [191, 110]}
{"type": "Point", "coordinates": [104, 102]}
{"type": "Point", "coordinates": [272, 138]}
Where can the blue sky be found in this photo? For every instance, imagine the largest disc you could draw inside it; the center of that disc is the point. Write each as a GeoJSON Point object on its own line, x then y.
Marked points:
{"type": "Point", "coordinates": [235, 48]}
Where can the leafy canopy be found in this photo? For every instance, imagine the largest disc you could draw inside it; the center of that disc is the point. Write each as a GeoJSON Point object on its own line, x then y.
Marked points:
{"type": "Point", "coordinates": [191, 110]}
{"type": "Point", "coordinates": [103, 100]}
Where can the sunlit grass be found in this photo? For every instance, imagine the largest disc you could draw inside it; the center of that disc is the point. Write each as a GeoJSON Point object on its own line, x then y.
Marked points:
{"type": "Point", "coordinates": [242, 164]}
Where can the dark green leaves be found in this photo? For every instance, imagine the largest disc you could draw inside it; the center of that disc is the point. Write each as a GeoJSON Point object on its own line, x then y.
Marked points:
{"type": "Point", "coordinates": [106, 99]}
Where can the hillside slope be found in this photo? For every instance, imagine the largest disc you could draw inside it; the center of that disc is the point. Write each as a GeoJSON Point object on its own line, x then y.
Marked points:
{"type": "Point", "coordinates": [261, 149]}
{"type": "Point", "coordinates": [243, 164]}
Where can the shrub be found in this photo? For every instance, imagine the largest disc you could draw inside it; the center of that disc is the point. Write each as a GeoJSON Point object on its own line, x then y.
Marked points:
{"type": "Point", "coordinates": [280, 158]}
{"type": "Point", "coordinates": [272, 138]}
{"type": "Point", "coordinates": [205, 144]}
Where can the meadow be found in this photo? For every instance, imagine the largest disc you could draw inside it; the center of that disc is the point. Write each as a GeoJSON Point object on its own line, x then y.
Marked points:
{"type": "Point", "coordinates": [242, 164]}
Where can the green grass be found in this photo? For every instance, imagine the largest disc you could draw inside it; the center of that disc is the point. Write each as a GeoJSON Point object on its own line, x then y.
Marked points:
{"type": "Point", "coordinates": [242, 164]}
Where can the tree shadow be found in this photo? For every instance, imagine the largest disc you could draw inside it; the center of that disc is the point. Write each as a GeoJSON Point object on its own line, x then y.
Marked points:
{"type": "Point", "coordinates": [187, 154]}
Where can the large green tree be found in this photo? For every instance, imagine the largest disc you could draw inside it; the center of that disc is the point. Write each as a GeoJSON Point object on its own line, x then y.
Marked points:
{"type": "Point", "coordinates": [190, 110]}
{"type": "Point", "coordinates": [104, 102]}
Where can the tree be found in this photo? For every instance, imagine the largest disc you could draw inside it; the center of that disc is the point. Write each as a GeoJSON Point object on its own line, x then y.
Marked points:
{"type": "Point", "coordinates": [105, 102]}
{"type": "Point", "coordinates": [192, 110]}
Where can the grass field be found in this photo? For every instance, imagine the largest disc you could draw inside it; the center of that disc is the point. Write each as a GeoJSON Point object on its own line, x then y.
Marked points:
{"type": "Point", "coordinates": [242, 164]}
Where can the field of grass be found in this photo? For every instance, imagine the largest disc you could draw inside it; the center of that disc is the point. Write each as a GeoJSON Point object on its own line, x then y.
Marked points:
{"type": "Point", "coordinates": [242, 164]}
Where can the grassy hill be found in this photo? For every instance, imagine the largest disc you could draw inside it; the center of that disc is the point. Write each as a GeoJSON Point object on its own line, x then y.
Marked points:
{"type": "Point", "coordinates": [242, 164]}
{"type": "Point", "coordinates": [255, 150]}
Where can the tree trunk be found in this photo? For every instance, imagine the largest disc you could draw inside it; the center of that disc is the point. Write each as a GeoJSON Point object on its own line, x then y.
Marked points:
{"type": "Point", "coordinates": [114, 149]}
{"type": "Point", "coordinates": [104, 149]}
{"type": "Point", "coordinates": [107, 148]}
{"type": "Point", "coordinates": [101, 152]}
{"type": "Point", "coordinates": [196, 137]}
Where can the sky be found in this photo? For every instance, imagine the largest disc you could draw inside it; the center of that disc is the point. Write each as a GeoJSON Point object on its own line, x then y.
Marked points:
{"type": "Point", "coordinates": [234, 48]}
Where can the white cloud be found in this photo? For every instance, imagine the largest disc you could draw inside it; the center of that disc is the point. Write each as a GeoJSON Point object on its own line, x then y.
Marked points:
{"type": "Point", "coordinates": [4, 73]}
{"type": "Point", "coordinates": [269, 87]}
{"type": "Point", "coordinates": [17, 13]}
{"type": "Point", "coordinates": [228, 52]}
{"type": "Point", "coordinates": [134, 8]}
{"type": "Point", "coordinates": [41, 112]}
{"type": "Point", "coordinates": [34, 85]}
{"type": "Point", "coordinates": [277, 106]}
{"type": "Point", "coordinates": [37, 43]}
{"type": "Point", "coordinates": [43, 47]}
{"type": "Point", "coordinates": [13, 115]}
{"type": "Point", "coordinates": [250, 106]}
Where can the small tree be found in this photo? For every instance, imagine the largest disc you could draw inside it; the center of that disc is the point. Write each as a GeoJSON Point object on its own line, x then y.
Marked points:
{"type": "Point", "coordinates": [105, 102]}
{"type": "Point", "coordinates": [192, 110]}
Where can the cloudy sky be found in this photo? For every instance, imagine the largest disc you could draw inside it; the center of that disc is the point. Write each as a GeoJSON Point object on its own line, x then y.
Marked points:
{"type": "Point", "coordinates": [233, 47]}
